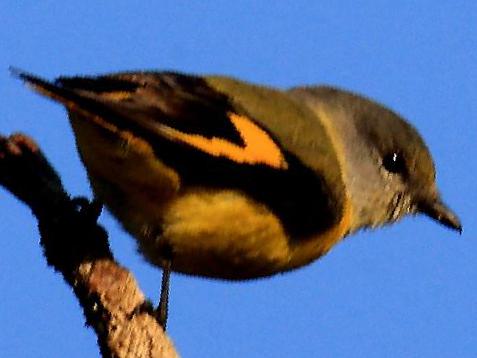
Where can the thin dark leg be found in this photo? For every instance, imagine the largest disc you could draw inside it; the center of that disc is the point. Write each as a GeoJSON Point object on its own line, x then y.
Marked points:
{"type": "Point", "coordinates": [162, 309]}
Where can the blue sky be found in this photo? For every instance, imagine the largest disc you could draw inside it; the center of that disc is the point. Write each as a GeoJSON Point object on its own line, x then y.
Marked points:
{"type": "Point", "coordinates": [408, 290]}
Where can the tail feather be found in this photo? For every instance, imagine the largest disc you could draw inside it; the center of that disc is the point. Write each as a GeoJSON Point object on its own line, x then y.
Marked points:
{"type": "Point", "coordinates": [71, 98]}
{"type": "Point", "coordinates": [94, 105]}
{"type": "Point", "coordinates": [53, 90]}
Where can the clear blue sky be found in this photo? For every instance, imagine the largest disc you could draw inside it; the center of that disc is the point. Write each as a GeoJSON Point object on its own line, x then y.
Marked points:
{"type": "Point", "coordinates": [409, 290]}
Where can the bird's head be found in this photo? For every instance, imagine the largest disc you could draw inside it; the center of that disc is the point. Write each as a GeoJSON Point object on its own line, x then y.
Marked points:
{"type": "Point", "coordinates": [387, 168]}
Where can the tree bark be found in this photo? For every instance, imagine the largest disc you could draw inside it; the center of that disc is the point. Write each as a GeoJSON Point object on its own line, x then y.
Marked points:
{"type": "Point", "coordinates": [77, 247]}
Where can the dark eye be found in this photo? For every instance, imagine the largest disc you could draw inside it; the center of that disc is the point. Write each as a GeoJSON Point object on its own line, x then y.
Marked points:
{"type": "Point", "coordinates": [394, 163]}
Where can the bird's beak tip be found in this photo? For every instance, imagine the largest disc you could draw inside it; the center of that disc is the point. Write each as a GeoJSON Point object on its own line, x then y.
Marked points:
{"type": "Point", "coordinates": [440, 212]}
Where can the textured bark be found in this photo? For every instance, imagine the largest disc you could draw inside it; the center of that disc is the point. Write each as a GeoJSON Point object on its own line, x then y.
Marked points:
{"type": "Point", "coordinates": [77, 247]}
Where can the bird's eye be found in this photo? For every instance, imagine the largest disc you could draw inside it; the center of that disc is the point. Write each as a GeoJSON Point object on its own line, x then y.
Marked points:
{"type": "Point", "coordinates": [394, 163]}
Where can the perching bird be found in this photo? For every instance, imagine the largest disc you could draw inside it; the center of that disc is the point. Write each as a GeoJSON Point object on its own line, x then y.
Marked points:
{"type": "Point", "coordinates": [221, 178]}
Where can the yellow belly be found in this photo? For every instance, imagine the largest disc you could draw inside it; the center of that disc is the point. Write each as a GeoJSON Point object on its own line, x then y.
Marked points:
{"type": "Point", "coordinates": [212, 233]}
{"type": "Point", "coordinates": [223, 234]}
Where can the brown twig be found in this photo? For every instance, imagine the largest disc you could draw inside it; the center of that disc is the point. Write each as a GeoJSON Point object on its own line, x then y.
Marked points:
{"type": "Point", "coordinates": [77, 247]}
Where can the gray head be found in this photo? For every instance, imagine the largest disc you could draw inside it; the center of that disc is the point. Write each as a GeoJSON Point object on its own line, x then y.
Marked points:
{"type": "Point", "coordinates": [388, 170]}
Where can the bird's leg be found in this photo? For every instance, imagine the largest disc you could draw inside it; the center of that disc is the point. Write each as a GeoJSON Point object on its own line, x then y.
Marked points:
{"type": "Point", "coordinates": [165, 252]}
{"type": "Point", "coordinates": [162, 309]}
{"type": "Point", "coordinates": [161, 312]}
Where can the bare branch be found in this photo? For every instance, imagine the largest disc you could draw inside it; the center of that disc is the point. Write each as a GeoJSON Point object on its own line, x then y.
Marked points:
{"type": "Point", "coordinates": [77, 247]}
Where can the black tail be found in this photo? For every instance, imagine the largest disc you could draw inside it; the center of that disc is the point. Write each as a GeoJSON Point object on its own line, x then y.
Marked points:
{"type": "Point", "coordinates": [74, 99]}
{"type": "Point", "coordinates": [78, 94]}
{"type": "Point", "coordinates": [53, 90]}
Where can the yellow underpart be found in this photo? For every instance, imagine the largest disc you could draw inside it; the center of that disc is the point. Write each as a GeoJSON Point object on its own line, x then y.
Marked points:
{"type": "Point", "coordinates": [259, 147]}
{"type": "Point", "coordinates": [225, 234]}
{"type": "Point", "coordinates": [222, 234]}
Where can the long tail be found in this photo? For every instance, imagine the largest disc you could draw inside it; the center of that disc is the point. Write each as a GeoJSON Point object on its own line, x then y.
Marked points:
{"type": "Point", "coordinates": [71, 98]}
{"type": "Point", "coordinates": [100, 97]}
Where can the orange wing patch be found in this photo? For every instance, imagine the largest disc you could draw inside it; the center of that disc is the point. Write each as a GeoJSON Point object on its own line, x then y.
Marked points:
{"type": "Point", "coordinates": [117, 95]}
{"type": "Point", "coordinates": [259, 148]}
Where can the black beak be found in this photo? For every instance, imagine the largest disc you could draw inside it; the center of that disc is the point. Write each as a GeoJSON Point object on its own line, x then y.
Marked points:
{"type": "Point", "coordinates": [438, 211]}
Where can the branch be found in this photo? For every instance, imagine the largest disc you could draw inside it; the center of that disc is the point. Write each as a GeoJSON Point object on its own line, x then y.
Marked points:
{"type": "Point", "coordinates": [77, 247]}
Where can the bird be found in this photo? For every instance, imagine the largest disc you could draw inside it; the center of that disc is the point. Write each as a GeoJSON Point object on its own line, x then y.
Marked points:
{"type": "Point", "coordinates": [226, 179]}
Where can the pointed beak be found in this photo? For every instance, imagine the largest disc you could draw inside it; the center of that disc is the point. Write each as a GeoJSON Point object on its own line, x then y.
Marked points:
{"type": "Point", "coordinates": [438, 211]}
